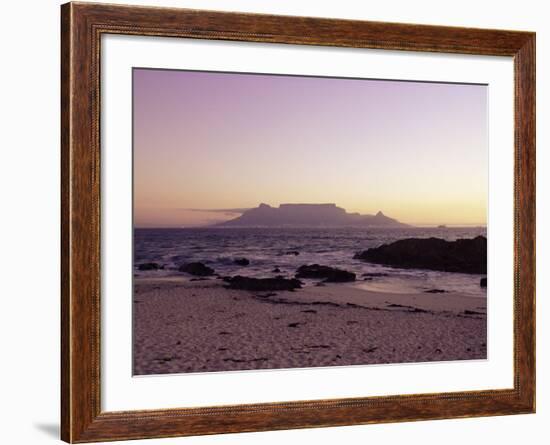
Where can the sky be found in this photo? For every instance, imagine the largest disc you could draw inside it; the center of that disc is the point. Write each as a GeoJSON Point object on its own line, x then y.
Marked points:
{"type": "Point", "coordinates": [207, 145]}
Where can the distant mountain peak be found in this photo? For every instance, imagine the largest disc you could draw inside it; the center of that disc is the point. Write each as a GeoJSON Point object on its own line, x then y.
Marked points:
{"type": "Point", "coordinates": [308, 215]}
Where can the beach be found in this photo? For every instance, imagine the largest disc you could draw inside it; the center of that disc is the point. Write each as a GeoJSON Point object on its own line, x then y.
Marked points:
{"type": "Point", "coordinates": [183, 325]}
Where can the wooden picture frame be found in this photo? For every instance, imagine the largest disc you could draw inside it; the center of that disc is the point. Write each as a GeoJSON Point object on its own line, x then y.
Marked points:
{"type": "Point", "coordinates": [82, 25]}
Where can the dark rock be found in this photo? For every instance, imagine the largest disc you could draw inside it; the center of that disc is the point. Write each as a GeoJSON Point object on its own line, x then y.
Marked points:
{"type": "Point", "coordinates": [292, 252]}
{"type": "Point", "coordinates": [483, 282]}
{"type": "Point", "coordinates": [435, 291]}
{"type": "Point", "coordinates": [270, 294]}
{"type": "Point", "coordinates": [263, 284]}
{"type": "Point", "coordinates": [375, 274]}
{"type": "Point", "coordinates": [242, 262]}
{"type": "Point", "coordinates": [462, 255]}
{"type": "Point", "coordinates": [330, 274]}
{"type": "Point", "coordinates": [197, 269]}
{"type": "Point", "coordinates": [276, 270]}
{"type": "Point", "coordinates": [149, 266]}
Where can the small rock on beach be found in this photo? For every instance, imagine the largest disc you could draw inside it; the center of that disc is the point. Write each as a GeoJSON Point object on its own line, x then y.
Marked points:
{"type": "Point", "coordinates": [330, 274]}
{"type": "Point", "coordinates": [263, 284]}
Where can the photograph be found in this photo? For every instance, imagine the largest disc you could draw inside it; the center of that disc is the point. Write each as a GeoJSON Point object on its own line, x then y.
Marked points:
{"type": "Point", "coordinates": [292, 221]}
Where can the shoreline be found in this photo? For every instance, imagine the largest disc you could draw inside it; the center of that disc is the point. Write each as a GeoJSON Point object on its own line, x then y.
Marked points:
{"type": "Point", "coordinates": [183, 326]}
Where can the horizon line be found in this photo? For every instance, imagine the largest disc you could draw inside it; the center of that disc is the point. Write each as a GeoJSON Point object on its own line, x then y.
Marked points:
{"type": "Point", "coordinates": [215, 225]}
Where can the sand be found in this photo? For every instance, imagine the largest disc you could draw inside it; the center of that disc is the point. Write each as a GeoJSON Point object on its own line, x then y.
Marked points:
{"type": "Point", "coordinates": [199, 326]}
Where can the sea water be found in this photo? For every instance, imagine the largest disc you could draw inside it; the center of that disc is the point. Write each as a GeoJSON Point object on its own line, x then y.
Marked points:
{"type": "Point", "coordinates": [286, 249]}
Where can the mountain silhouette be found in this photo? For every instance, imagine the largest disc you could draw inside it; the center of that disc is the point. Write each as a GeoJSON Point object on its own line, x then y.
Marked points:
{"type": "Point", "coordinates": [308, 215]}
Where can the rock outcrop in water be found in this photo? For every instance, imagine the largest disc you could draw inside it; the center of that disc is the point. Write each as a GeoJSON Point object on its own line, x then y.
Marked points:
{"type": "Point", "coordinates": [308, 215]}
{"type": "Point", "coordinates": [462, 255]}
{"type": "Point", "coordinates": [242, 261]}
{"type": "Point", "coordinates": [330, 274]}
{"type": "Point", "coordinates": [197, 269]}
{"type": "Point", "coordinates": [263, 284]}
{"type": "Point", "coordinates": [149, 266]}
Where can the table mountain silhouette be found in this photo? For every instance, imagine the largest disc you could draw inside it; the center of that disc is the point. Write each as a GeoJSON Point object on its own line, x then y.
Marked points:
{"type": "Point", "coordinates": [308, 215]}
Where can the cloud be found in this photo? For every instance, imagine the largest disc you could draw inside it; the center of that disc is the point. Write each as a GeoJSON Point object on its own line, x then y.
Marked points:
{"type": "Point", "coordinates": [230, 211]}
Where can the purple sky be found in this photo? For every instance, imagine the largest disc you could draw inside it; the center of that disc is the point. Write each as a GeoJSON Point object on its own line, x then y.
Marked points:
{"type": "Point", "coordinates": [416, 151]}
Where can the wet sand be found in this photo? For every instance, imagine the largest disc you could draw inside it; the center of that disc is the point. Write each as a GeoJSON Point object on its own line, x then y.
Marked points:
{"type": "Point", "coordinates": [199, 326]}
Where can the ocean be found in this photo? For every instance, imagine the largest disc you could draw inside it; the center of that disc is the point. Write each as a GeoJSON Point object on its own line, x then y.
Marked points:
{"type": "Point", "coordinates": [271, 248]}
